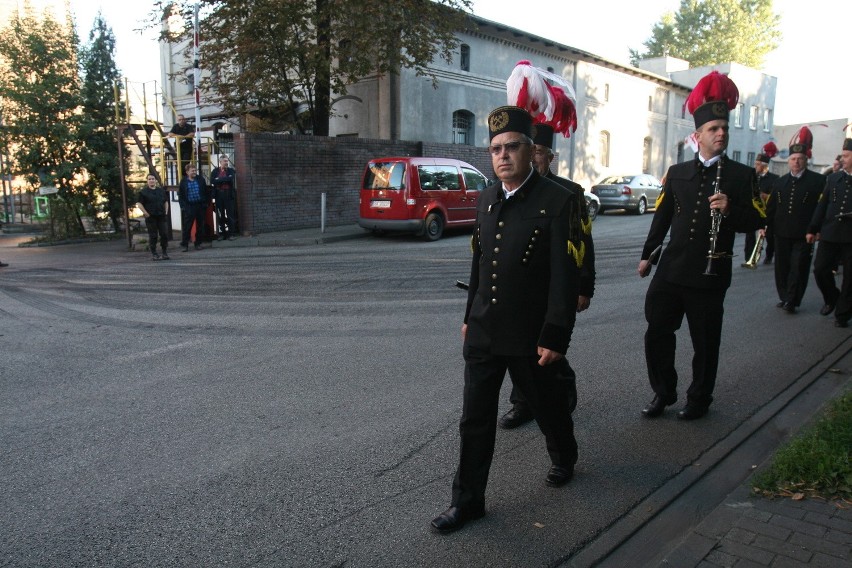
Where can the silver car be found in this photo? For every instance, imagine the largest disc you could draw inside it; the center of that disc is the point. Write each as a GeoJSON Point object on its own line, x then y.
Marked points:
{"type": "Point", "coordinates": [635, 193]}
{"type": "Point", "coordinates": [593, 204]}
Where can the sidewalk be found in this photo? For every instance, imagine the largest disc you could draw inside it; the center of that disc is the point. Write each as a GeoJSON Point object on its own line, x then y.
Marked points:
{"type": "Point", "coordinates": [707, 517]}
{"type": "Point", "coordinates": [296, 237]}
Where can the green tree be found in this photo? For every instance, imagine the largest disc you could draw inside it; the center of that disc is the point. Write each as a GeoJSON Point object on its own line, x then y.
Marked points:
{"type": "Point", "coordinates": [42, 115]}
{"type": "Point", "coordinates": [100, 74]}
{"type": "Point", "coordinates": [708, 32]}
{"type": "Point", "coordinates": [287, 59]}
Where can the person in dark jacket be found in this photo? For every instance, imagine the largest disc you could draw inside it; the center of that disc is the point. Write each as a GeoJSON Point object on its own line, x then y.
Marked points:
{"type": "Point", "coordinates": [153, 201]}
{"type": "Point", "coordinates": [193, 197]}
{"type": "Point", "coordinates": [789, 211]}
{"type": "Point", "coordinates": [223, 181]}
{"type": "Point", "coordinates": [765, 179]}
{"type": "Point", "coordinates": [581, 235]}
{"type": "Point", "coordinates": [703, 204]}
{"type": "Point", "coordinates": [832, 227]}
{"type": "Point", "coordinates": [521, 308]}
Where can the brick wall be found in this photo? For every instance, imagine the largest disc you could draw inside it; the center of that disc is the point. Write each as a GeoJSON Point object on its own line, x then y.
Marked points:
{"type": "Point", "coordinates": [281, 177]}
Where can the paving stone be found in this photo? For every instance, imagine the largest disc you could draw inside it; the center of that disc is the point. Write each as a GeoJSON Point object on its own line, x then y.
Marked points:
{"type": "Point", "coordinates": [719, 522]}
{"type": "Point", "coordinates": [799, 526]}
{"type": "Point", "coordinates": [747, 552]}
{"type": "Point", "coordinates": [744, 563]}
{"type": "Point", "coordinates": [839, 537]}
{"type": "Point", "coordinates": [691, 551]}
{"type": "Point", "coordinates": [821, 545]}
{"type": "Point", "coordinates": [757, 515]}
{"type": "Point", "coordinates": [719, 558]}
{"type": "Point", "coordinates": [752, 525]}
{"type": "Point", "coordinates": [787, 562]}
{"type": "Point", "coordinates": [740, 535]}
{"type": "Point", "coordinates": [824, 561]}
{"type": "Point", "coordinates": [781, 507]}
{"type": "Point", "coordinates": [798, 552]}
{"type": "Point", "coordinates": [829, 521]}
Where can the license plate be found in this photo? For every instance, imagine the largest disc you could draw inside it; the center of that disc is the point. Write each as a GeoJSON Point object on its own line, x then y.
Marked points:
{"type": "Point", "coordinates": [380, 204]}
{"type": "Point", "coordinates": [609, 192]}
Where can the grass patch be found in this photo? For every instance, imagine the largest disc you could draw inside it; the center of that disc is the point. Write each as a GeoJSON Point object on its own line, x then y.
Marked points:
{"type": "Point", "coordinates": [816, 463]}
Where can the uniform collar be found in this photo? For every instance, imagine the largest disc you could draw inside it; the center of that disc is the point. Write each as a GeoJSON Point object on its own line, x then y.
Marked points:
{"type": "Point", "coordinates": [507, 194]}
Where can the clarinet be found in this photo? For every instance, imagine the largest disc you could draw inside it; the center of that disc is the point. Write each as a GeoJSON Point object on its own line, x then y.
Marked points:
{"type": "Point", "coordinates": [715, 225]}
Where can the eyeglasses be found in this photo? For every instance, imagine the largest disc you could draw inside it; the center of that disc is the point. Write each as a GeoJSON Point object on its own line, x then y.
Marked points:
{"type": "Point", "coordinates": [510, 147]}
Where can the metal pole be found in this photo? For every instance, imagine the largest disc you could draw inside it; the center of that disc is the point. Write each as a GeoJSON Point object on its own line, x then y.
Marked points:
{"type": "Point", "coordinates": [322, 211]}
{"type": "Point", "coordinates": [197, 79]}
{"type": "Point", "coordinates": [119, 135]}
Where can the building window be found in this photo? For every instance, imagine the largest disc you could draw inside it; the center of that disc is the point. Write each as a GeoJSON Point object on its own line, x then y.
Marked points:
{"type": "Point", "coordinates": [551, 70]}
{"type": "Point", "coordinates": [767, 119]}
{"type": "Point", "coordinates": [606, 92]}
{"type": "Point", "coordinates": [738, 115]}
{"type": "Point", "coordinates": [752, 117]}
{"type": "Point", "coordinates": [736, 156]}
{"type": "Point", "coordinates": [751, 158]}
{"type": "Point", "coordinates": [465, 57]}
{"type": "Point", "coordinates": [604, 149]}
{"type": "Point", "coordinates": [646, 155]}
{"type": "Point", "coordinates": [462, 127]}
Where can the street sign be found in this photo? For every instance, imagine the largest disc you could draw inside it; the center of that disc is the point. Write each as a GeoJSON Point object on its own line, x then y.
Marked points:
{"type": "Point", "coordinates": [47, 190]}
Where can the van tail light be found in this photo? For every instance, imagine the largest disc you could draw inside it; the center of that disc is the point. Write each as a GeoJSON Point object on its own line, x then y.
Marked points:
{"type": "Point", "coordinates": [411, 202]}
{"type": "Point", "coordinates": [626, 190]}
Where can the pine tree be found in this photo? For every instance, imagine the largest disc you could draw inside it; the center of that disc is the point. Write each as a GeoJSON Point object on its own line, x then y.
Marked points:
{"type": "Point", "coordinates": [100, 74]}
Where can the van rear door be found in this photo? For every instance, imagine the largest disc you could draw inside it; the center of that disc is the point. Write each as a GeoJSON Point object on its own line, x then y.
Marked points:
{"type": "Point", "coordinates": [383, 191]}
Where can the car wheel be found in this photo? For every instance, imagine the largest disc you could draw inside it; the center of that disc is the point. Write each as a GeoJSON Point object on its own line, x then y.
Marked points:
{"type": "Point", "coordinates": [434, 227]}
{"type": "Point", "coordinates": [593, 210]}
{"type": "Point", "coordinates": [642, 207]}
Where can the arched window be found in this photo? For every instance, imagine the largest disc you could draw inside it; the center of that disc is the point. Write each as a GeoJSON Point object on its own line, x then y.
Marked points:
{"type": "Point", "coordinates": [462, 127]}
{"type": "Point", "coordinates": [604, 149]}
{"type": "Point", "coordinates": [646, 155]}
{"type": "Point", "coordinates": [464, 58]}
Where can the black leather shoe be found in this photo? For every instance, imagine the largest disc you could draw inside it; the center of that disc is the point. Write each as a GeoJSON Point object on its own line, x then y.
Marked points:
{"type": "Point", "coordinates": [826, 309]}
{"type": "Point", "coordinates": [790, 308]}
{"type": "Point", "coordinates": [558, 476]}
{"type": "Point", "coordinates": [516, 416]}
{"type": "Point", "coordinates": [454, 518]}
{"type": "Point", "coordinates": [841, 323]}
{"type": "Point", "coordinates": [781, 305]}
{"type": "Point", "coordinates": [184, 248]}
{"type": "Point", "coordinates": [656, 408]}
{"type": "Point", "coordinates": [692, 412]}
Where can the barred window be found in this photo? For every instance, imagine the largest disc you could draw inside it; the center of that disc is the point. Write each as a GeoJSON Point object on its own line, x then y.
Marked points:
{"type": "Point", "coordinates": [462, 127]}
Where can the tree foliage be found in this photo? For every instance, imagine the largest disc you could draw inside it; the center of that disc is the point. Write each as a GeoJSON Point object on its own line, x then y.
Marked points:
{"type": "Point", "coordinates": [709, 32]}
{"type": "Point", "coordinates": [100, 74]}
{"type": "Point", "coordinates": [41, 101]}
{"type": "Point", "coordinates": [284, 60]}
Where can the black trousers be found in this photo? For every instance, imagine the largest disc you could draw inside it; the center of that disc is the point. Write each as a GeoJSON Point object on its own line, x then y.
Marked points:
{"type": "Point", "coordinates": [158, 227]}
{"type": "Point", "coordinates": [827, 256]}
{"type": "Point", "coordinates": [770, 245]}
{"type": "Point", "coordinates": [750, 242]}
{"type": "Point", "coordinates": [665, 306]}
{"type": "Point", "coordinates": [516, 397]}
{"type": "Point", "coordinates": [226, 211]}
{"type": "Point", "coordinates": [192, 212]}
{"type": "Point", "coordinates": [546, 390]}
{"type": "Point", "coordinates": [792, 268]}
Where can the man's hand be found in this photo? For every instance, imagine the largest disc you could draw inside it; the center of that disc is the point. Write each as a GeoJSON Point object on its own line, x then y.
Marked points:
{"type": "Point", "coordinates": [583, 303]}
{"type": "Point", "coordinates": [811, 238]}
{"type": "Point", "coordinates": [546, 356]}
{"type": "Point", "coordinates": [464, 332]}
{"type": "Point", "coordinates": [644, 268]}
{"type": "Point", "coordinates": [762, 232]}
{"type": "Point", "coordinates": [719, 201]}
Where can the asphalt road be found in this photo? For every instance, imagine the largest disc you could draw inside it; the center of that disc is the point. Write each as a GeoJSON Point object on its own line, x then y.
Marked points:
{"type": "Point", "coordinates": [299, 406]}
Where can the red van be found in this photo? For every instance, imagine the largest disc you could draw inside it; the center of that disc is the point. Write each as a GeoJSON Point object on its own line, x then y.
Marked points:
{"type": "Point", "coordinates": [419, 195]}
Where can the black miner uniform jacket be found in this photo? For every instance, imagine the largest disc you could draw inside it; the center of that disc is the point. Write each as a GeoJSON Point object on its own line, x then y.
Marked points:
{"type": "Point", "coordinates": [791, 206]}
{"type": "Point", "coordinates": [587, 260]}
{"type": "Point", "coordinates": [765, 182]}
{"type": "Point", "coordinates": [523, 278]}
{"type": "Point", "coordinates": [835, 201]}
{"type": "Point", "coordinates": [683, 206]}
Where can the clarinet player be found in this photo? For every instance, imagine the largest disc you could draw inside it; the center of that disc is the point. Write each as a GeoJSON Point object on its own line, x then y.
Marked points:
{"type": "Point", "coordinates": [704, 202]}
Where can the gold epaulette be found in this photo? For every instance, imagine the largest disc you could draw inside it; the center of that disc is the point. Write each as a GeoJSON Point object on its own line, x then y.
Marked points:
{"type": "Point", "coordinates": [578, 254]}
{"type": "Point", "coordinates": [758, 204]}
{"type": "Point", "coordinates": [659, 199]}
{"type": "Point", "coordinates": [587, 226]}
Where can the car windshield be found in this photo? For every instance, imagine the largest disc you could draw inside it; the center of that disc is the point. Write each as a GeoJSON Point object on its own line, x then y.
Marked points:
{"type": "Point", "coordinates": [614, 180]}
{"type": "Point", "coordinates": [385, 175]}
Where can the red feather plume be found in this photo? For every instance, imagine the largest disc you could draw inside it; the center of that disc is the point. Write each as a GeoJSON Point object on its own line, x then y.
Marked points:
{"type": "Point", "coordinates": [804, 137]}
{"type": "Point", "coordinates": [770, 149]}
{"type": "Point", "coordinates": [713, 87]}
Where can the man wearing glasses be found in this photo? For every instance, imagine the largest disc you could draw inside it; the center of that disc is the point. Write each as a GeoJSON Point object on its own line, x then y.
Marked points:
{"type": "Point", "coordinates": [521, 308]}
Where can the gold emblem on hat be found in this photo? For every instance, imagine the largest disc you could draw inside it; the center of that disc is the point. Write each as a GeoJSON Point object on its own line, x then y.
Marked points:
{"type": "Point", "coordinates": [720, 109]}
{"type": "Point", "coordinates": [498, 121]}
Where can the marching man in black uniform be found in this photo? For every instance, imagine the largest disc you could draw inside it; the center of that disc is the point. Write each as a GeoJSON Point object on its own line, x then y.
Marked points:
{"type": "Point", "coordinates": [765, 180]}
{"type": "Point", "coordinates": [788, 214]}
{"type": "Point", "coordinates": [521, 307]}
{"type": "Point", "coordinates": [520, 412]}
{"type": "Point", "coordinates": [704, 202]}
{"type": "Point", "coordinates": [832, 227]}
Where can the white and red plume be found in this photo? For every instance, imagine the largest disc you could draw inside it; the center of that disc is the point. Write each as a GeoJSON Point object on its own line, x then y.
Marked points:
{"type": "Point", "coordinates": [548, 98]}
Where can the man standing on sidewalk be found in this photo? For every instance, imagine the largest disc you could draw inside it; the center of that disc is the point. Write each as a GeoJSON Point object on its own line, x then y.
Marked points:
{"type": "Point", "coordinates": [832, 227]}
{"type": "Point", "coordinates": [193, 197]}
{"type": "Point", "coordinates": [222, 180]}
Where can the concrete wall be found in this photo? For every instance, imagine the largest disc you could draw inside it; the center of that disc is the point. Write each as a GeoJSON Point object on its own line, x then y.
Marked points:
{"type": "Point", "coordinates": [280, 177]}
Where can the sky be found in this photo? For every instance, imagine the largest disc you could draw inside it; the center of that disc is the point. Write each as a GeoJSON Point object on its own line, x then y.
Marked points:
{"type": "Point", "coordinates": [813, 48]}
